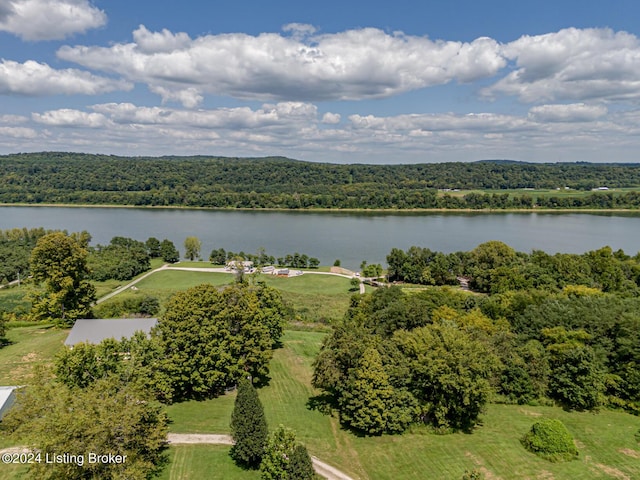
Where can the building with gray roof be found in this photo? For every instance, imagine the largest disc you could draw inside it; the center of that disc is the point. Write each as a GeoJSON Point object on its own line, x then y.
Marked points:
{"type": "Point", "coordinates": [96, 330]}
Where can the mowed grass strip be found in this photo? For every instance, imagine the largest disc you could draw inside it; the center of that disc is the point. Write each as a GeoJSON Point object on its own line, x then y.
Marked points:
{"type": "Point", "coordinates": [195, 462]}
{"type": "Point", "coordinates": [28, 346]}
{"type": "Point", "coordinates": [206, 416]}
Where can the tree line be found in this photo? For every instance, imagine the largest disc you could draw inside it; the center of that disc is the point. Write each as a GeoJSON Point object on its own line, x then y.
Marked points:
{"type": "Point", "coordinates": [275, 182]}
{"type": "Point", "coordinates": [438, 356]}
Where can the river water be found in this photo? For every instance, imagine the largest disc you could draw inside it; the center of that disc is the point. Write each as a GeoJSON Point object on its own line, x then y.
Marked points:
{"type": "Point", "coordinates": [350, 237]}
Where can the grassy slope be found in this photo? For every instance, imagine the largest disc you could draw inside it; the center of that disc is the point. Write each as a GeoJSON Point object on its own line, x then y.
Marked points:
{"type": "Point", "coordinates": [204, 461]}
{"type": "Point", "coordinates": [28, 346]}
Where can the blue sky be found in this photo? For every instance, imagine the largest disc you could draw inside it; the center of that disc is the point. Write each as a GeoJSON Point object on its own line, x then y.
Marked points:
{"type": "Point", "coordinates": [344, 82]}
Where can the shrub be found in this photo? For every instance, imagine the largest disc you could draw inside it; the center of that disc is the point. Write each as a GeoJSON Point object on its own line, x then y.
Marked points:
{"type": "Point", "coordinates": [550, 439]}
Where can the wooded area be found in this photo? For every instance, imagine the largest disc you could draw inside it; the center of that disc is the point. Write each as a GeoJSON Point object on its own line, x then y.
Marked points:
{"type": "Point", "coordinates": [276, 182]}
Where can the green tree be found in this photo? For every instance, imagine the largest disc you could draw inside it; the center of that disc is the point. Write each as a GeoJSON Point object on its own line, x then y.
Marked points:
{"type": "Point", "coordinates": [168, 251]}
{"type": "Point", "coordinates": [550, 439]}
{"type": "Point", "coordinates": [107, 417]}
{"type": "Point", "coordinates": [300, 465]}
{"type": "Point", "coordinates": [136, 361]}
{"type": "Point", "coordinates": [370, 404]}
{"type": "Point", "coordinates": [153, 247]}
{"type": "Point", "coordinates": [284, 458]}
{"type": "Point", "coordinates": [449, 373]}
{"type": "Point", "coordinates": [59, 263]}
{"type": "Point", "coordinates": [192, 247]}
{"type": "Point", "coordinates": [211, 338]}
{"type": "Point", "coordinates": [218, 256]}
{"type": "Point", "coordinates": [248, 426]}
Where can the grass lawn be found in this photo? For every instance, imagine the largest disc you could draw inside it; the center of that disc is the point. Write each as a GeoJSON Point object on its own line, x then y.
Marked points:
{"type": "Point", "coordinates": [28, 346]}
{"type": "Point", "coordinates": [204, 461]}
{"type": "Point", "coordinates": [13, 299]}
{"type": "Point", "coordinates": [538, 193]}
{"type": "Point", "coordinates": [315, 298]}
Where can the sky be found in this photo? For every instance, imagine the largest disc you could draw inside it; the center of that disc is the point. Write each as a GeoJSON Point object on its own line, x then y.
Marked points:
{"type": "Point", "coordinates": [337, 81]}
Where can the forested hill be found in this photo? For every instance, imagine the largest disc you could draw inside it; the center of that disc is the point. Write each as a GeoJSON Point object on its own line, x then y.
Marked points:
{"type": "Point", "coordinates": [277, 182]}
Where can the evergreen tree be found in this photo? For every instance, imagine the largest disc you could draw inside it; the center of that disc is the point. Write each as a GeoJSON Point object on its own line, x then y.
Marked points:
{"type": "Point", "coordinates": [300, 465]}
{"type": "Point", "coordinates": [248, 426]}
{"type": "Point", "coordinates": [370, 404]}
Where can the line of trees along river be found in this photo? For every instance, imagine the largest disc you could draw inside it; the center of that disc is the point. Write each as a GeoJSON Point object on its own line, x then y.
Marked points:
{"type": "Point", "coordinates": [276, 182]}
{"type": "Point", "coordinates": [351, 238]}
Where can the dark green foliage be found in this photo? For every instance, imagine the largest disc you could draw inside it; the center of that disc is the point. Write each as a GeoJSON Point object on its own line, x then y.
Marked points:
{"type": "Point", "coordinates": [248, 426]}
{"type": "Point", "coordinates": [122, 259]}
{"type": "Point", "coordinates": [135, 361]}
{"type": "Point", "coordinates": [59, 263]}
{"type": "Point", "coordinates": [449, 373]}
{"type": "Point", "coordinates": [218, 256]}
{"type": "Point", "coordinates": [495, 268]}
{"type": "Point", "coordinates": [105, 417]}
{"type": "Point", "coordinates": [300, 465]}
{"type": "Point", "coordinates": [550, 439]}
{"type": "Point", "coordinates": [212, 338]}
{"type": "Point", "coordinates": [273, 182]}
{"type": "Point", "coordinates": [128, 306]}
{"type": "Point", "coordinates": [153, 247]}
{"type": "Point", "coordinates": [168, 251]}
{"type": "Point", "coordinates": [15, 248]}
{"type": "Point", "coordinates": [370, 404]}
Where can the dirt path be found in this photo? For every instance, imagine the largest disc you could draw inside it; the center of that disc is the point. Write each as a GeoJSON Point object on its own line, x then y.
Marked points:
{"type": "Point", "coordinates": [321, 468]}
{"type": "Point", "coordinates": [129, 285]}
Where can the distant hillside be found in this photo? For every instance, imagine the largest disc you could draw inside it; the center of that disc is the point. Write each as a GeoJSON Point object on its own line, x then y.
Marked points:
{"type": "Point", "coordinates": [277, 182]}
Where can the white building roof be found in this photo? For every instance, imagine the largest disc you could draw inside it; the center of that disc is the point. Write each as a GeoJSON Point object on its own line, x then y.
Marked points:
{"type": "Point", "coordinates": [7, 398]}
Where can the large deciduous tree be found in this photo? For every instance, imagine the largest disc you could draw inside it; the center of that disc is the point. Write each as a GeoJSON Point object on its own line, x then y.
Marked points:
{"type": "Point", "coordinates": [192, 247]}
{"type": "Point", "coordinates": [212, 338]}
{"type": "Point", "coordinates": [107, 417]}
{"type": "Point", "coordinates": [59, 263]}
{"type": "Point", "coordinates": [248, 426]}
{"type": "Point", "coordinates": [449, 373]}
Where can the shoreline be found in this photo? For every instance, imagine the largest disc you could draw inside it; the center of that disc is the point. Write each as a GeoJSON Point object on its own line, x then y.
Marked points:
{"type": "Point", "coordinates": [334, 210]}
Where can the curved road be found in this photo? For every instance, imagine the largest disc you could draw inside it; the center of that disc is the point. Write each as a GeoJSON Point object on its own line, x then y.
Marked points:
{"type": "Point", "coordinates": [321, 468]}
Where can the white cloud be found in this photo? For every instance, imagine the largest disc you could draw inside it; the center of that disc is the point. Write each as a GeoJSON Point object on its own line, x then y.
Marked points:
{"type": "Point", "coordinates": [13, 119]}
{"type": "Point", "coordinates": [572, 64]}
{"type": "Point", "coordinates": [70, 118]}
{"type": "Point", "coordinates": [296, 129]}
{"type": "Point", "coordinates": [157, 42]}
{"type": "Point", "coordinates": [331, 118]}
{"type": "Point", "coordinates": [576, 112]}
{"type": "Point", "coordinates": [352, 65]}
{"type": "Point", "coordinates": [17, 132]}
{"type": "Point", "coordinates": [284, 114]}
{"type": "Point", "coordinates": [33, 78]}
{"type": "Point", "coordinates": [49, 19]}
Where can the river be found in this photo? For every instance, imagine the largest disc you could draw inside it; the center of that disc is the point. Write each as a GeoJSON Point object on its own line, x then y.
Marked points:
{"type": "Point", "coordinates": [350, 237]}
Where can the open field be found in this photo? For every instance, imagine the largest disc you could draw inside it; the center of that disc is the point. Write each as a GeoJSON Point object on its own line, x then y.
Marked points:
{"type": "Point", "coordinates": [536, 193]}
{"type": "Point", "coordinates": [28, 346]}
{"type": "Point", "coordinates": [315, 298]}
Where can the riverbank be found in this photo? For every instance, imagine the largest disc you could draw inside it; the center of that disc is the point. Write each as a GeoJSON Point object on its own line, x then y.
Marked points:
{"type": "Point", "coordinates": [335, 210]}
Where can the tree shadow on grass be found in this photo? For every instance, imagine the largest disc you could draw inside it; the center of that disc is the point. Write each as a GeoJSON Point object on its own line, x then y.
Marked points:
{"type": "Point", "coordinates": [323, 403]}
